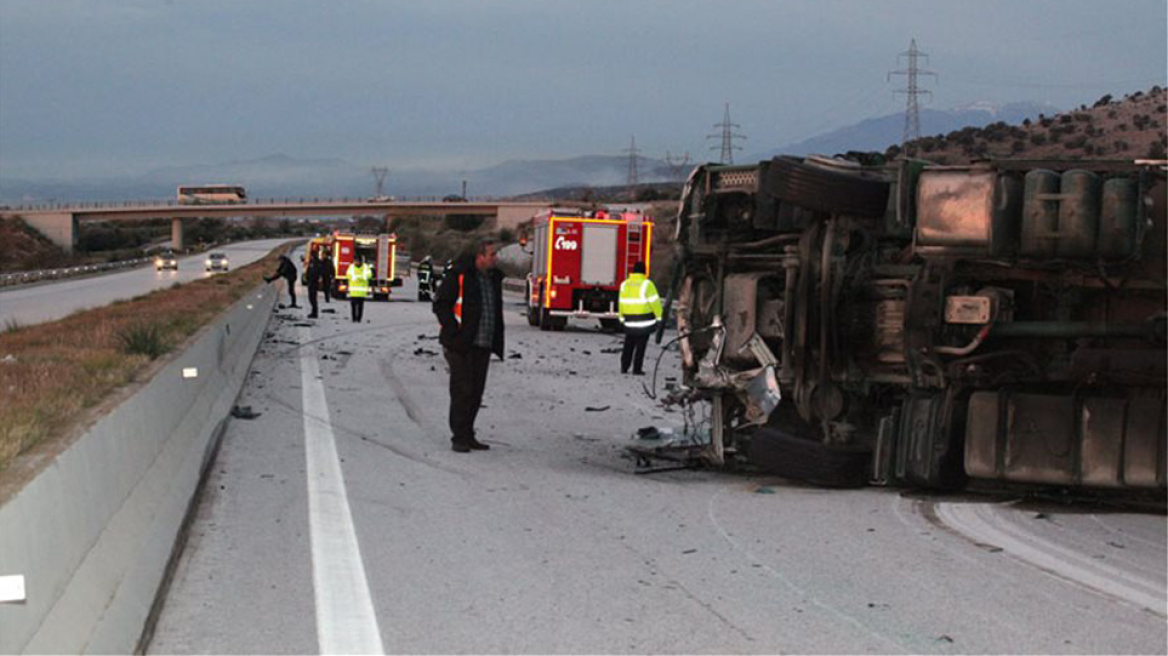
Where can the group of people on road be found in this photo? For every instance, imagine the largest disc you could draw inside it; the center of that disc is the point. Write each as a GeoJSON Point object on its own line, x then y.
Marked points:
{"type": "Point", "coordinates": [319, 277]}
{"type": "Point", "coordinates": [469, 306]}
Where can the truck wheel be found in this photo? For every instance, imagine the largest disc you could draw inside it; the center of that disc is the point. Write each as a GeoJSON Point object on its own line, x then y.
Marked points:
{"type": "Point", "coordinates": [826, 191]}
{"type": "Point", "coordinates": [610, 325]}
{"type": "Point", "coordinates": [533, 312]}
{"type": "Point", "coordinates": [809, 461]}
{"type": "Point", "coordinates": [545, 319]}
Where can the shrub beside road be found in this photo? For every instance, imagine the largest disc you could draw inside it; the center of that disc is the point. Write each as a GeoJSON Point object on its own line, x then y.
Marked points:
{"type": "Point", "coordinates": [52, 374]}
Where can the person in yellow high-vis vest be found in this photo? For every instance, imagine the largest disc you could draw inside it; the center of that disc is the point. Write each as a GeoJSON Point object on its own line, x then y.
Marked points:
{"type": "Point", "coordinates": [640, 310]}
{"type": "Point", "coordinates": [358, 276]}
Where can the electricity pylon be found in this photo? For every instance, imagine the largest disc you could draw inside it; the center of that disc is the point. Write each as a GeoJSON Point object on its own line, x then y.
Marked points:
{"type": "Point", "coordinates": [912, 109]}
{"type": "Point", "coordinates": [728, 135]}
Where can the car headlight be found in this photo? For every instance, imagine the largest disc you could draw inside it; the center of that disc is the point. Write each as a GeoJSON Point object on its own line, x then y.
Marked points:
{"type": "Point", "coordinates": [208, 262]}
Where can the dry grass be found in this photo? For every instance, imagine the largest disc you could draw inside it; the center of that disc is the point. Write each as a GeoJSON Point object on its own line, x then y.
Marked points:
{"type": "Point", "coordinates": [51, 373]}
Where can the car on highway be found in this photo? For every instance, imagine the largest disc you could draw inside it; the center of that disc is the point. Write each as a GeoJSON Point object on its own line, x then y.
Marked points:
{"type": "Point", "coordinates": [166, 260]}
{"type": "Point", "coordinates": [216, 262]}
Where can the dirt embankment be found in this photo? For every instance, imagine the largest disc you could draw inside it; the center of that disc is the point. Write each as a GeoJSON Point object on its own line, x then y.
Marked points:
{"type": "Point", "coordinates": [1134, 127]}
{"type": "Point", "coordinates": [26, 249]}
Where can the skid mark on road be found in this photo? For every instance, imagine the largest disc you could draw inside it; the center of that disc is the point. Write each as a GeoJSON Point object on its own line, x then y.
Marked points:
{"type": "Point", "coordinates": [980, 524]}
{"type": "Point", "coordinates": [345, 620]}
{"type": "Point", "coordinates": [688, 594]}
{"type": "Point", "coordinates": [399, 390]}
{"type": "Point", "coordinates": [778, 576]}
{"type": "Point", "coordinates": [396, 450]}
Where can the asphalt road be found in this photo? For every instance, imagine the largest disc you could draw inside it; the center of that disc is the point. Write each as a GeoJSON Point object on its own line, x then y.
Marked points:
{"type": "Point", "coordinates": [340, 521]}
{"type": "Point", "coordinates": [37, 303]}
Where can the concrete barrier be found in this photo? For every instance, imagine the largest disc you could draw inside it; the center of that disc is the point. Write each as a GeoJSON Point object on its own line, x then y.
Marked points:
{"type": "Point", "coordinates": [93, 532]}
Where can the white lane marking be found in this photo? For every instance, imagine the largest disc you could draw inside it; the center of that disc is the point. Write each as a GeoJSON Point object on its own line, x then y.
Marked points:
{"type": "Point", "coordinates": [345, 620]}
{"type": "Point", "coordinates": [981, 522]}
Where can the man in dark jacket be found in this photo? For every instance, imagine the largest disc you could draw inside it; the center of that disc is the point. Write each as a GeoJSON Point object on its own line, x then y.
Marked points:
{"type": "Point", "coordinates": [313, 278]}
{"type": "Point", "coordinates": [326, 269]}
{"type": "Point", "coordinates": [469, 306]}
{"type": "Point", "coordinates": [286, 270]}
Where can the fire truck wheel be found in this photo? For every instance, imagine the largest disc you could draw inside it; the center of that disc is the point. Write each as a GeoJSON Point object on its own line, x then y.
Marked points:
{"type": "Point", "coordinates": [806, 460]}
{"type": "Point", "coordinates": [545, 319]}
{"type": "Point", "coordinates": [826, 191]}
{"type": "Point", "coordinates": [532, 315]}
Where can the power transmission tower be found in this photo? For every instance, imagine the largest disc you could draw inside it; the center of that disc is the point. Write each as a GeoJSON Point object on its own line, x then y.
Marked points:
{"type": "Point", "coordinates": [677, 168]}
{"type": "Point", "coordinates": [379, 173]}
{"type": "Point", "coordinates": [912, 109]}
{"type": "Point", "coordinates": [633, 152]}
{"type": "Point", "coordinates": [728, 135]}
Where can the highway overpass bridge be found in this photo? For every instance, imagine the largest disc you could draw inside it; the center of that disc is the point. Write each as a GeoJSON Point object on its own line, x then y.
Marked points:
{"type": "Point", "coordinates": [59, 223]}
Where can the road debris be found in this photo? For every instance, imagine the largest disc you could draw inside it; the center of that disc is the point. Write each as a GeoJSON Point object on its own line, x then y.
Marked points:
{"type": "Point", "coordinates": [596, 409]}
{"type": "Point", "coordinates": [244, 412]}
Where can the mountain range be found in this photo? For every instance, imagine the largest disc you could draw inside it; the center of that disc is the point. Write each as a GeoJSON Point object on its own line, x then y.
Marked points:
{"type": "Point", "coordinates": [281, 176]}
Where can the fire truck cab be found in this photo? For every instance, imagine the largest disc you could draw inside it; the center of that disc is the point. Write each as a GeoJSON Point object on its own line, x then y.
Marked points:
{"type": "Point", "coordinates": [378, 250]}
{"type": "Point", "coordinates": [579, 260]}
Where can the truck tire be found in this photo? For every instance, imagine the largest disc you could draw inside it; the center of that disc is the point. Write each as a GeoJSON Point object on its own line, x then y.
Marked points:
{"type": "Point", "coordinates": [545, 319]}
{"type": "Point", "coordinates": [809, 461]}
{"type": "Point", "coordinates": [610, 325]}
{"type": "Point", "coordinates": [822, 190]}
{"type": "Point", "coordinates": [532, 310]}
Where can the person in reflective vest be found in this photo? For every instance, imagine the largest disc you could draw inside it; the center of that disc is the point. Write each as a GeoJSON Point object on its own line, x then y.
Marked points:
{"type": "Point", "coordinates": [425, 279]}
{"type": "Point", "coordinates": [640, 310]}
{"type": "Point", "coordinates": [469, 307]}
{"type": "Point", "coordinates": [358, 276]}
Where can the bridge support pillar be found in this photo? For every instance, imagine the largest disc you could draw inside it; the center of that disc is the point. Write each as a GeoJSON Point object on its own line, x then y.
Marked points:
{"type": "Point", "coordinates": [59, 228]}
{"type": "Point", "coordinates": [176, 234]}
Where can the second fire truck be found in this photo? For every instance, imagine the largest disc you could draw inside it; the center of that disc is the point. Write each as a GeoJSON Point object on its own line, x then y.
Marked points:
{"type": "Point", "coordinates": [379, 251]}
{"type": "Point", "coordinates": [579, 260]}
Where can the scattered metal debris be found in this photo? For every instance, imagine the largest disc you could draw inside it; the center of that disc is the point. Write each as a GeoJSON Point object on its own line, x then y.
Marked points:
{"type": "Point", "coordinates": [244, 412]}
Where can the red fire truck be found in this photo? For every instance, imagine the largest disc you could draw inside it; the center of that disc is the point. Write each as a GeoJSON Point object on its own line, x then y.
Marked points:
{"type": "Point", "coordinates": [579, 260]}
{"type": "Point", "coordinates": [378, 250]}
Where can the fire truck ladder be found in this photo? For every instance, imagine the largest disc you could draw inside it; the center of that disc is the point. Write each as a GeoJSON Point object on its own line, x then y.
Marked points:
{"type": "Point", "coordinates": [633, 235]}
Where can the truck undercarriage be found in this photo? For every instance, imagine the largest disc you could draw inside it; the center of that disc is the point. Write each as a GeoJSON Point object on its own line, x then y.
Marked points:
{"type": "Point", "coordinates": [924, 325]}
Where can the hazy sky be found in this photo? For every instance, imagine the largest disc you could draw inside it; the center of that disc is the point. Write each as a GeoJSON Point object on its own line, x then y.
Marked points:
{"type": "Point", "coordinates": [116, 87]}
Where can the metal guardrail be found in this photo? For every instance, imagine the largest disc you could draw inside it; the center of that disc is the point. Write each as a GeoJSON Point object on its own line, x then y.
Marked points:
{"type": "Point", "coordinates": [24, 277]}
{"type": "Point", "coordinates": [304, 200]}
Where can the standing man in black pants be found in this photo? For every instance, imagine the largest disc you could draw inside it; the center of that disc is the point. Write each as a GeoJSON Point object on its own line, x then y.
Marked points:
{"type": "Point", "coordinates": [469, 306]}
{"type": "Point", "coordinates": [326, 270]}
{"type": "Point", "coordinates": [640, 310]}
{"type": "Point", "coordinates": [313, 276]}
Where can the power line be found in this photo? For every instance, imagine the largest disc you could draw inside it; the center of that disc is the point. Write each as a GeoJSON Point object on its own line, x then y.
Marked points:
{"type": "Point", "coordinates": [728, 135]}
{"type": "Point", "coordinates": [912, 109]}
{"type": "Point", "coordinates": [677, 168]}
{"type": "Point", "coordinates": [632, 151]}
{"type": "Point", "coordinates": [379, 173]}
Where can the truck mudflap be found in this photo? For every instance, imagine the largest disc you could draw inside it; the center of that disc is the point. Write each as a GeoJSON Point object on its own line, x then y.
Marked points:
{"type": "Point", "coordinates": [1096, 440]}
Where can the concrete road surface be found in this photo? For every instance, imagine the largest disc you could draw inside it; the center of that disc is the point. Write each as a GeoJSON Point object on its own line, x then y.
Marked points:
{"type": "Point", "coordinates": [340, 521]}
{"type": "Point", "coordinates": [37, 303]}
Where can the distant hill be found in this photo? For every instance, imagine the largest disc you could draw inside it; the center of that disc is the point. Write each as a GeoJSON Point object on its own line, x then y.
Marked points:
{"type": "Point", "coordinates": [876, 134]}
{"type": "Point", "coordinates": [1133, 127]}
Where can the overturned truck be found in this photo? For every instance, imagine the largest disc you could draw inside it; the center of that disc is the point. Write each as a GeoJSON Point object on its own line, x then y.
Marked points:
{"type": "Point", "coordinates": [926, 325]}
